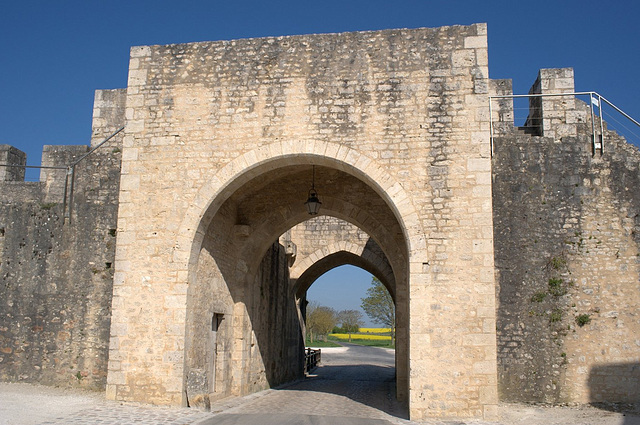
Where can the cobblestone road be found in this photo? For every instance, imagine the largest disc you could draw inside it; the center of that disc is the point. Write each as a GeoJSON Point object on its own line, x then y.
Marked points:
{"type": "Point", "coordinates": [354, 386]}
{"type": "Point", "coordinates": [353, 383]}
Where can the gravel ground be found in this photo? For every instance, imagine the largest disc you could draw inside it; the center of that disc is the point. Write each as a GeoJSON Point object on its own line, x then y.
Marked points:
{"type": "Point", "coordinates": [28, 404]}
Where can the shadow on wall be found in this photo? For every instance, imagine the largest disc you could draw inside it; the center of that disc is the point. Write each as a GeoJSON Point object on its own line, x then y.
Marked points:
{"type": "Point", "coordinates": [616, 387]}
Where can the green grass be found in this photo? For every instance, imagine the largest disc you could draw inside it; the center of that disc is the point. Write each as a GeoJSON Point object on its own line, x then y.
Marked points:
{"type": "Point", "coordinates": [320, 344]}
{"type": "Point", "coordinates": [367, 342]}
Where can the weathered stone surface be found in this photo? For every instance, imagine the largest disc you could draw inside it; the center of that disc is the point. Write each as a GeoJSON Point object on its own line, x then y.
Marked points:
{"type": "Point", "coordinates": [221, 143]}
{"type": "Point", "coordinates": [222, 134]}
{"type": "Point", "coordinates": [13, 158]}
{"type": "Point", "coordinates": [56, 279]}
{"type": "Point", "coordinates": [323, 243]}
{"type": "Point", "coordinates": [567, 226]}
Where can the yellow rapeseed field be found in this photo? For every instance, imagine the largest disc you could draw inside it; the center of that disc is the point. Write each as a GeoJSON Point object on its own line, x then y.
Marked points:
{"type": "Point", "coordinates": [375, 330]}
{"type": "Point", "coordinates": [370, 337]}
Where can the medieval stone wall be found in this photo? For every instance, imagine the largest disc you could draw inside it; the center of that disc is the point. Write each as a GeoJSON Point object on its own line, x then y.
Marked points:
{"type": "Point", "coordinates": [14, 158]}
{"type": "Point", "coordinates": [397, 128]}
{"type": "Point", "coordinates": [567, 225]}
{"type": "Point", "coordinates": [324, 242]}
{"type": "Point", "coordinates": [56, 279]}
{"type": "Point", "coordinates": [240, 338]}
{"type": "Point", "coordinates": [399, 115]}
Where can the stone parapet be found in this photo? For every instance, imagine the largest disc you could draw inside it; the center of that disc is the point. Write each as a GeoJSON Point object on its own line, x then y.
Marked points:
{"type": "Point", "coordinates": [108, 115]}
{"type": "Point", "coordinates": [554, 115]}
{"type": "Point", "coordinates": [11, 158]}
{"type": "Point", "coordinates": [502, 115]}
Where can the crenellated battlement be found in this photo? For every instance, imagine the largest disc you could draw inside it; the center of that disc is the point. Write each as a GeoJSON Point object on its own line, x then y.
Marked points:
{"type": "Point", "coordinates": [108, 117]}
{"type": "Point", "coordinates": [15, 158]}
{"type": "Point", "coordinates": [108, 113]}
{"type": "Point", "coordinates": [554, 110]}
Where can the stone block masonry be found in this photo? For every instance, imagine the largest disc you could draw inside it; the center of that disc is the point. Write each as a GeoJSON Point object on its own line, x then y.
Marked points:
{"type": "Point", "coordinates": [169, 285]}
{"type": "Point", "coordinates": [567, 226]}
{"type": "Point", "coordinates": [12, 157]}
{"type": "Point", "coordinates": [56, 279]}
{"type": "Point", "coordinates": [323, 243]}
{"type": "Point", "coordinates": [399, 116]}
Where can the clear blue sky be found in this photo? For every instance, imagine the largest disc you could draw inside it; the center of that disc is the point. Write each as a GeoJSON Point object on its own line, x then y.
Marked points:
{"type": "Point", "coordinates": [342, 288]}
{"type": "Point", "coordinates": [56, 53]}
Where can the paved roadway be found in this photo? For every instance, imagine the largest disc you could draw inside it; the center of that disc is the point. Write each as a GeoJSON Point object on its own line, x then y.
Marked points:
{"type": "Point", "coordinates": [353, 386]}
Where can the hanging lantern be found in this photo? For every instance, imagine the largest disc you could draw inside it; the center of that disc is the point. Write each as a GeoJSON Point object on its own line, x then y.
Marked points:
{"type": "Point", "coordinates": [313, 203]}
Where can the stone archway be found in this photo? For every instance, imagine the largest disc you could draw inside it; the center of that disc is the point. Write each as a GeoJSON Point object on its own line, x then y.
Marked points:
{"type": "Point", "coordinates": [208, 123]}
{"type": "Point", "coordinates": [232, 268]}
{"type": "Point", "coordinates": [326, 242]}
{"type": "Point", "coordinates": [340, 258]}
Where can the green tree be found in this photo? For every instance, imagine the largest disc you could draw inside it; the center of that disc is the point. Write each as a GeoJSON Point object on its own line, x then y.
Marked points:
{"type": "Point", "coordinates": [320, 321]}
{"type": "Point", "coordinates": [380, 307]}
{"type": "Point", "coordinates": [351, 321]}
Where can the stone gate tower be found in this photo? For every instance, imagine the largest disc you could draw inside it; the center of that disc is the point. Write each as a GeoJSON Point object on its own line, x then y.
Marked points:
{"type": "Point", "coordinates": [175, 269]}
{"type": "Point", "coordinates": [221, 139]}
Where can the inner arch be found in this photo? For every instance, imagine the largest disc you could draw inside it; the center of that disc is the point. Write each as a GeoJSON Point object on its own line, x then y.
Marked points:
{"type": "Point", "coordinates": [243, 318]}
{"type": "Point", "coordinates": [222, 184]}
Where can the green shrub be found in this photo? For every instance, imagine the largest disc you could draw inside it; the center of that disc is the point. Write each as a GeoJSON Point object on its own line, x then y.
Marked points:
{"type": "Point", "coordinates": [556, 287]}
{"type": "Point", "coordinates": [556, 316]}
{"type": "Point", "coordinates": [583, 319]}
{"type": "Point", "coordinates": [538, 297]}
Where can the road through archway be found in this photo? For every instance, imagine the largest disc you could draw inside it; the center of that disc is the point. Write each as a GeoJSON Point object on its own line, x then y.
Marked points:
{"type": "Point", "coordinates": [353, 382]}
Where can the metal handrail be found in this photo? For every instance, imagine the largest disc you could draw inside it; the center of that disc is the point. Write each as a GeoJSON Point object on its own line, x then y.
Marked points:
{"type": "Point", "coordinates": [97, 146]}
{"type": "Point", "coordinates": [312, 358]}
{"type": "Point", "coordinates": [70, 174]}
{"type": "Point", "coordinates": [592, 95]}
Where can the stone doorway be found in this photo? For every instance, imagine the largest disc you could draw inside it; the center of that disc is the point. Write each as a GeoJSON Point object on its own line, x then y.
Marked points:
{"type": "Point", "coordinates": [243, 271]}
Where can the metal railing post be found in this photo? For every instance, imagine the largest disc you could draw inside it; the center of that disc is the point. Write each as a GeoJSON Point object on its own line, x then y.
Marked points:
{"type": "Point", "coordinates": [594, 144]}
{"type": "Point", "coordinates": [65, 213]}
{"type": "Point", "coordinates": [491, 125]}
{"type": "Point", "coordinates": [601, 124]}
{"type": "Point", "coordinates": [73, 178]}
